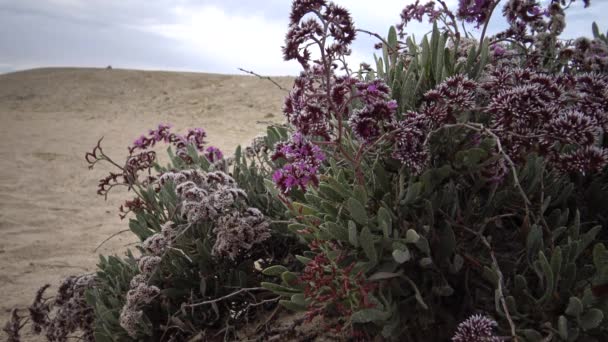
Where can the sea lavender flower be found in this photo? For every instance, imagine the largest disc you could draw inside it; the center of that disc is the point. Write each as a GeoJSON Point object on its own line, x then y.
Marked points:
{"type": "Point", "coordinates": [238, 232]}
{"type": "Point", "coordinates": [476, 328]}
{"type": "Point", "coordinates": [377, 111]}
{"type": "Point", "coordinates": [12, 328]}
{"type": "Point", "coordinates": [303, 161]}
{"type": "Point", "coordinates": [416, 11]}
{"type": "Point", "coordinates": [329, 19]}
{"type": "Point", "coordinates": [585, 160]}
{"type": "Point", "coordinates": [475, 11]}
{"type": "Point", "coordinates": [39, 311]}
{"type": "Point", "coordinates": [573, 127]}
{"type": "Point", "coordinates": [142, 294]}
{"type": "Point", "coordinates": [72, 313]}
{"type": "Point", "coordinates": [196, 137]}
{"type": "Point", "coordinates": [213, 154]}
{"type": "Point", "coordinates": [148, 263]}
{"type": "Point", "coordinates": [455, 94]}
{"type": "Point", "coordinates": [410, 141]}
{"type": "Point", "coordinates": [305, 108]}
{"type": "Point", "coordinates": [295, 175]}
{"type": "Point", "coordinates": [130, 320]}
{"type": "Point", "coordinates": [156, 244]}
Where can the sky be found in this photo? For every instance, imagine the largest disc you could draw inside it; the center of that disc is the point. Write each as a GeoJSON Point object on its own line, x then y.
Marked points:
{"type": "Point", "coordinates": [217, 36]}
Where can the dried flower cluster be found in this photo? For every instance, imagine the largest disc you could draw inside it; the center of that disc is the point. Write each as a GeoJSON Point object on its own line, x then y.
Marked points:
{"type": "Point", "coordinates": [303, 162]}
{"type": "Point", "coordinates": [139, 295]}
{"type": "Point", "coordinates": [61, 317]}
{"type": "Point", "coordinates": [327, 18]}
{"type": "Point", "coordinates": [476, 328]}
{"type": "Point", "coordinates": [12, 327]}
{"type": "Point", "coordinates": [215, 197]}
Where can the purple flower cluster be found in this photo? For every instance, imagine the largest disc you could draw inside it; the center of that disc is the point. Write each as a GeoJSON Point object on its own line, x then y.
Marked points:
{"type": "Point", "coordinates": [213, 154]}
{"type": "Point", "coordinates": [476, 328]}
{"type": "Point", "coordinates": [442, 106]}
{"type": "Point", "coordinates": [139, 294]}
{"type": "Point", "coordinates": [378, 110]}
{"type": "Point", "coordinates": [587, 55]}
{"type": "Point", "coordinates": [561, 117]}
{"type": "Point", "coordinates": [194, 136]}
{"type": "Point", "coordinates": [410, 146]}
{"type": "Point", "coordinates": [416, 11]}
{"type": "Point", "coordinates": [303, 162]}
{"type": "Point", "coordinates": [475, 11]}
{"type": "Point", "coordinates": [450, 98]}
{"type": "Point", "coordinates": [308, 106]}
{"type": "Point", "coordinates": [214, 197]}
{"type": "Point", "coordinates": [66, 314]}
{"type": "Point", "coordinates": [239, 231]}
{"type": "Point", "coordinates": [327, 18]}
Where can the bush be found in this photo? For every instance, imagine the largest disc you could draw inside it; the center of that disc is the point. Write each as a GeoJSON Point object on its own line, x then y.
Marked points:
{"type": "Point", "coordinates": [455, 190]}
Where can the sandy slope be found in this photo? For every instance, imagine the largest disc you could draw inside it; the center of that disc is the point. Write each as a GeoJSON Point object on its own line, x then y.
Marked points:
{"type": "Point", "coordinates": [51, 220]}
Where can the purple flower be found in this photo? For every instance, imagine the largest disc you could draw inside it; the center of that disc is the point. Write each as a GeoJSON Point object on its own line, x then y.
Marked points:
{"type": "Point", "coordinates": [410, 141]}
{"type": "Point", "coordinates": [475, 11]}
{"type": "Point", "coordinates": [196, 136]}
{"type": "Point", "coordinates": [585, 160]}
{"type": "Point", "coordinates": [335, 19]}
{"type": "Point", "coordinates": [416, 11]}
{"type": "Point", "coordinates": [303, 161]}
{"type": "Point", "coordinates": [161, 133]}
{"type": "Point", "coordinates": [213, 154]}
{"type": "Point", "coordinates": [295, 175]}
{"type": "Point", "coordinates": [378, 110]}
{"type": "Point", "coordinates": [476, 328]}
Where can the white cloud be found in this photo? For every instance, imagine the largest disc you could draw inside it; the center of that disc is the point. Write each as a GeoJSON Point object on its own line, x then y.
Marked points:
{"type": "Point", "coordinates": [232, 41]}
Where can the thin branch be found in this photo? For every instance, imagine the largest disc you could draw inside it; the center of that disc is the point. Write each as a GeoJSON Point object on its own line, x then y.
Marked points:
{"type": "Point", "coordinates": [245, 289]}
{"type": "Point", "coordinates": [109, 238]}
{"type": "Point", "coordinates": [499, 291]}
{"type": "Point", "coordinates": [268, 78]}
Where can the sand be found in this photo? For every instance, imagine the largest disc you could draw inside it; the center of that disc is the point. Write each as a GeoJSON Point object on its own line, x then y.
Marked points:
{"type": "Point", "coordinates": [51, 219]}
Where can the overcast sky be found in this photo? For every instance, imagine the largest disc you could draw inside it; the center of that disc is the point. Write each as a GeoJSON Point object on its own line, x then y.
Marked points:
{"type": "Point", "coordinates": [190, 35]}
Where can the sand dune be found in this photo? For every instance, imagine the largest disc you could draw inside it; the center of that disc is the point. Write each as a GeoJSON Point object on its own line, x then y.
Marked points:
{"type": "Point", "coordinates": [51, 219]}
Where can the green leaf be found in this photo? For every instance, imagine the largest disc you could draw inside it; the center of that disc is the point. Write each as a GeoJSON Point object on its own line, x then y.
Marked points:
{"type": "Point", "coordinates": [289, 278]}
{"type": "Point", "coordinates": [549, 277]}
{"type": "Point", "coordinates": [413, 191]}
{"type": "Point", "coordinates": [288, 304]}
{"type": "Point", "coordinates": [275, 270]}
{"type": "Point", "coordinates": [353, 234]}
{"type": "Point", "coordinates": [411, 236]}
{"type": "Point", "coordinates": [534, 241]}
{"type": "Point", "coordinates": [303, 209]}
{"type": "Point", "coordinates": [591, 319]}
{"type": "Point", "coordinates": [385, 221]}
{"type": "Point", "coordinates": [401, 256]}
{"type": "Point", "coordinates": [370, 315]}
{"type": "Point", "coordinates": [596, 30]}
{"type": "Point", "coordinates": [562, 327]}
{"type": "Point", "coordinates": [279, 289]}
{"type": "Point", "coordinates": [575, 307]}
{"type": "Point", "coordinates": [357, 211]}
{"type": "Point", "coordinates": [367, 243]}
